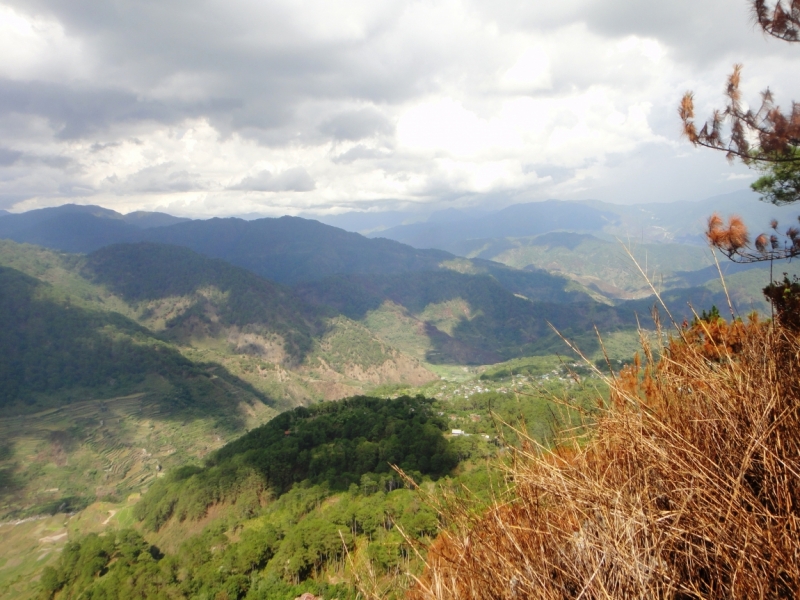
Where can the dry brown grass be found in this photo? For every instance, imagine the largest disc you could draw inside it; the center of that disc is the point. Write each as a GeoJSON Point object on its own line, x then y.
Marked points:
{"type": "Point", "coordinates": [687, 487]}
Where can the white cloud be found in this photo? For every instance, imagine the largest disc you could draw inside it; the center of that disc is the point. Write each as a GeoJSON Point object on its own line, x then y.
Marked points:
{"type": "Point", "coordinates": [284, 106]}
{"type": "Point", "coordinates": [38, 47]}
{"type": "Point", "coordinates": [530, 73]}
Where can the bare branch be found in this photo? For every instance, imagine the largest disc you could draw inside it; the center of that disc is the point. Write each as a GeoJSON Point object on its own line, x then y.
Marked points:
{"type": "Point", "coordinates": [767, 135]}
{"type": "Point", "coordinates": [781, 20]}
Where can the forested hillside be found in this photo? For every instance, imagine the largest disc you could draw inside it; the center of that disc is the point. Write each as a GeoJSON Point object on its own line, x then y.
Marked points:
{"type": "Point", "coordinates": [468, 319]}
{"type": "Point", "coordinates": [300, 494]}
{"type": "Point", "coordinates": [55, 351]}
{"type": "Point", "coordinates": [221, 294]}
{"type": "Point", "coordinates": [139, 357]}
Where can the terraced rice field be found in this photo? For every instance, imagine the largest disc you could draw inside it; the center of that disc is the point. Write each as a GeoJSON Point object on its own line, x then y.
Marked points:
{"type": "Point", "coordinates": [100, 453]}
{"type": "Point", "coordinates": [97, 449]}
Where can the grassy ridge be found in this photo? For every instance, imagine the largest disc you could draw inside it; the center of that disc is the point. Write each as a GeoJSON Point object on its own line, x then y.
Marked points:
{"type": "Point", "coordinates": [686, 487]}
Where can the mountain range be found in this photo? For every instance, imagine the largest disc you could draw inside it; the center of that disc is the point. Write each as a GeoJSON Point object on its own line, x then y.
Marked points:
{"type": "Point", "coordinates": [135, 347]}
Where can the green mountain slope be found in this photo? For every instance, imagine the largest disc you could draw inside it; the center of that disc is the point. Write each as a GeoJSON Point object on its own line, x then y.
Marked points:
{"type": "Point", "coordinates": [215, 312]}
{"type": "Point", "coordinates": [93, 404]}
{"type": "Point", "coordinates": [450, 317]}
{"type": "Point", "coordinates": [190, 292]}
{"type": "Point", "coordinates": [309, 503]}
{"type": "Point", "coordinates": [329, 468]}
{"type": "Point", "coordinates": [141, 356]}
{"type": "Point", "coordinates": [51, 348]}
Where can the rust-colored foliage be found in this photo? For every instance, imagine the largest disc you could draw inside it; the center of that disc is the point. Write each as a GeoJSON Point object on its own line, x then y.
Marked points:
{"type": "Point", "coordinates": [729, 239]}
{"type": "Point", "coordinates": [688, 488]}
{"type": "Point", "coordinates": [731, 129]}
{"type": "Point", "coordinates": [780, 20]}
{"type": "Point", "coordinates": [733, 241]}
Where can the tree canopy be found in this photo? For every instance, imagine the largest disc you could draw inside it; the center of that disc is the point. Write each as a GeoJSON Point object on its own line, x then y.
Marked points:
{"type": "Point", "coordinates": [767, 139]}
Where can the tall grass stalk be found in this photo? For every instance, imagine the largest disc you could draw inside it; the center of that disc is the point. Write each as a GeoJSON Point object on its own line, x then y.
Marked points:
{"type": "Point", "coordinates": [687, 486]}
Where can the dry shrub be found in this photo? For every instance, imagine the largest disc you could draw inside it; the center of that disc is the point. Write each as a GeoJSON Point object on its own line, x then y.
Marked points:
{"type": "Point", "coordinates": [689, 487]}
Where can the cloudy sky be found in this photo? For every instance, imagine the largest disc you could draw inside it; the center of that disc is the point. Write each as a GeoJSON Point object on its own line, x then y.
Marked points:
{"type": "Point", "coordinates": [211, 107]}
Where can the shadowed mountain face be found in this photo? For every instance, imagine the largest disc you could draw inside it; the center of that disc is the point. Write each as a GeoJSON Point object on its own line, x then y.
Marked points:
{"type": "Point", "coordinates": [290, 249]}
{"type": "Point", "coordinates": [76, 228]}
{"type": "Point", "coordinates": [467, 319]}
{"type": "Point", "coordinates": [286, 250]}
{"type": "Point", "coordinates": [49, 345]}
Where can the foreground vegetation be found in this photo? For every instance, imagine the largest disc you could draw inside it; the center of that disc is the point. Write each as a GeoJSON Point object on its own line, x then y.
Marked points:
{"type": "Point", "coordinates": [686, 488]}
{"type": "Point", "coordinates": [295, 496]}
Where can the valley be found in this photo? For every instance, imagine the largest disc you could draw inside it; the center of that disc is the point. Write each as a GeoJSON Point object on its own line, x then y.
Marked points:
{"type": "Point", "coordinates": [137, 375]}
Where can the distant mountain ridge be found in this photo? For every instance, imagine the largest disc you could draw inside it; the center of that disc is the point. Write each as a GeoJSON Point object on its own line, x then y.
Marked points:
{"type": "Point", "coordinates": [290, 249]}
{"type": "Point", "coordinates": [673, 222]}
{"type": "Point", "coordinates": [79, 228]}
{"type": "Point", "coordinates": [285, 249]}
{"type": "Point", "coordinates": [517, 220]}
{"type": "Point", "coordinates": [141, 219]}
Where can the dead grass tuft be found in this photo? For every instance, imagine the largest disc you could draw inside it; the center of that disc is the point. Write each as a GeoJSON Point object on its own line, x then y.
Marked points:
{"type": "Point", "coordinates": [687, 487]}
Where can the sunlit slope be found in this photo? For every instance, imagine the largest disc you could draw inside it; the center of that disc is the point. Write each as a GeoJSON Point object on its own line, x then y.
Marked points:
{"type": "Point", "coordinates": [450, 317]}
{"type": "Point", "coordinates": [276, 511]}
{"type": "Point", "coordinates": [600, 264]}
{"type": "Point", "coordinates": [212, 311]}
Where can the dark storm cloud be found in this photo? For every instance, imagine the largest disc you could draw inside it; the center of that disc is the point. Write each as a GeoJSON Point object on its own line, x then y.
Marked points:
{"type": "Point", "coordinates": [356, 125]}
{"type": "Point", "coordinates": [76, 112]}
{"type": "Point", "coordinates": [211, 89]}
{"type": "Point", "coordinates": [173, 49]}
{"type": "Point", "coordinates": [296, 179]}
{"type": "Point", "coordinates": [159, 179]}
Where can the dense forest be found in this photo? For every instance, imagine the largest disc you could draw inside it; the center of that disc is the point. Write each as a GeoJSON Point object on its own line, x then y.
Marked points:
{"type": "Point", "coordinates": [302, 491]}
{"type": "Point", "coordinates": [334, 443]}
{"type": "Point", "coordinates": [49, 345]}
{"type": "Point", "coordinates": [144, 272]}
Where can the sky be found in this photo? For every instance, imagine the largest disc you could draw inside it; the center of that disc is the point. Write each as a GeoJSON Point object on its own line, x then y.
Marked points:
{"type": "Point", "coordinates": [266, 107]}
